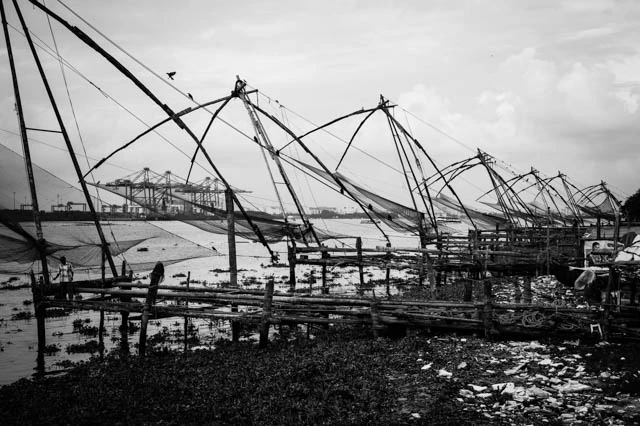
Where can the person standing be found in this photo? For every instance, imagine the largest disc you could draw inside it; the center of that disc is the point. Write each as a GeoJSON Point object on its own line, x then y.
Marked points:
{"type": "Point", "coordinates": [65, 272]}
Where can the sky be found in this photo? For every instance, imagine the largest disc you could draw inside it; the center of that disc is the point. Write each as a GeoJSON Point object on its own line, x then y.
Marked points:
{"type": "Point", "coordinates": [553, 85]}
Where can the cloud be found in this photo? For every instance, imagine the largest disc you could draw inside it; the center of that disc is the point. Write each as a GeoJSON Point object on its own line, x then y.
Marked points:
{"type": "Point", "coordinates": [546, 114]}
{"type": "Point", "coordinates": [590, 33]}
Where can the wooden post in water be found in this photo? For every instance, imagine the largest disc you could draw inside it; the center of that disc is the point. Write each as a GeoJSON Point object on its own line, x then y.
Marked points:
{"type": "Point", "coordinates": [124, 327]}
{"type": "Point", "coordinates": [186, 318]}
{"type": "Point", "coordinates": [156, 276]}
{"type": "Point", "coordinates": [266, 313]}
{"type": "Point", "coordinates": [325, 288]}
{"type": "Point", "coordinates": [40, 312]}
{"type": "Point", "coordinates": [231, 238]}
{"type": "Point", "coordinates": [388, 272]}
{"type": "Point", "coordinates": [387, 279]}
{"type": "Point", "coordinates": [291, 256]}
{"type": "Point", "coordinates": [360, 267]}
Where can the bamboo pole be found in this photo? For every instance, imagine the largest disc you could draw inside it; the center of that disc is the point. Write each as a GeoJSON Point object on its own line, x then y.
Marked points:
{"type": "Point", "coordinates": [266, 313]}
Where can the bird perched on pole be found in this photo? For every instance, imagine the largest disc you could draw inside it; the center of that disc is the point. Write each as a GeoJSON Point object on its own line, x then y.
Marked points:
{"type": "Point", "coordinates": [171, 74]}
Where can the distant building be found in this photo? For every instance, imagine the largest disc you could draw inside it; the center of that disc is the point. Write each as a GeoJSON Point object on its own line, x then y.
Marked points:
{"type": "Point", "coordinates": [320, 209]}
{"type": "Point", "coordinates": [348, 210]}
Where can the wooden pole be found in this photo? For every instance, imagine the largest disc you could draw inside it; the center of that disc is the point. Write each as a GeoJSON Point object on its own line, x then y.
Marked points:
{"type": "Point", "coordinates": [231, 238]}
{"type": "Point", "coordinates": [266, 313]}
{"type": "Point", "coordinates": [101, 323]}
{"type": "Point", "coordinates": [40, 242]}
{"type": "Point", "coordinates": [291, 255]}
{"type": "Point", "coordinates": [468, 290]}
{"type": "Point", "coordinates": [387, 281]}
{"type": "Point", "coordinates": [526, 291]}
{"type": "Point", "coordinates": [375, 320]}
{"type": "Point", "coordinates": [67, 140]}
{"type": "Point", "coordinates": [548, 240]}
{"type": "Point", "coordinates": [360, 268]}
{"type": "Point", "coordinates": [517, 291]}
{"type": "Point", "coordinates": [40, 311]}
{"type": "Point", "coordinates": [325, 289]}
{"type": "Point", "coordinates": [235, 325]}
{"type": "Point", "coordinates": [156, 276]}
{"type": "Point", "coordinates": [488, 309]}
{"type": "Point", "coordinates": [186, 318]}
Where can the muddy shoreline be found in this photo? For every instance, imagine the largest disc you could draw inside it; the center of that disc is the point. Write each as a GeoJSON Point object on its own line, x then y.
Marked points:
{"type": "Point", "coordinates": [343, 376]}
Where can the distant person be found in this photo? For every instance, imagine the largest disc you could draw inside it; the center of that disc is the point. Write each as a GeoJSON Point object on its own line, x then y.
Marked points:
{"type": "Point", "coordinates": [65, 272]}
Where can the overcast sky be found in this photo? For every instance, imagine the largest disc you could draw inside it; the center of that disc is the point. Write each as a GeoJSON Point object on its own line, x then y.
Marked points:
{"type": "Point", "coordinates": [547, 84]}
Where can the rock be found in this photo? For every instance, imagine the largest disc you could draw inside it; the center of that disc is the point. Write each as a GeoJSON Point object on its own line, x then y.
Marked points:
{"type": "Point", "coordinates": [427, 366]}
{"type": "Point", "coordinates": [462, 365]}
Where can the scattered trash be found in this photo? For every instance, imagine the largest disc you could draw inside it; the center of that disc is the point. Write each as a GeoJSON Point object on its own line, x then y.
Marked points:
{"type": "Point", "coordinates": [444, 373]}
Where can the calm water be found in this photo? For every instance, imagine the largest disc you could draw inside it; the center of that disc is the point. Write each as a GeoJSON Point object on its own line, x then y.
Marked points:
{"type": "Point", "coordinates": [18, 339]}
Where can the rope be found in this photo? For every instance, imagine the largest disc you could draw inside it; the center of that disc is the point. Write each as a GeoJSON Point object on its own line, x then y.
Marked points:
{"type": "Point", "coordinates": [104, 93]}
{"type": "Point", "coordinates": [533, 319]}
{"type": "Point", "coordinates": [331, 134]}
{"type": "Point", "coordinates": [137, 61]}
